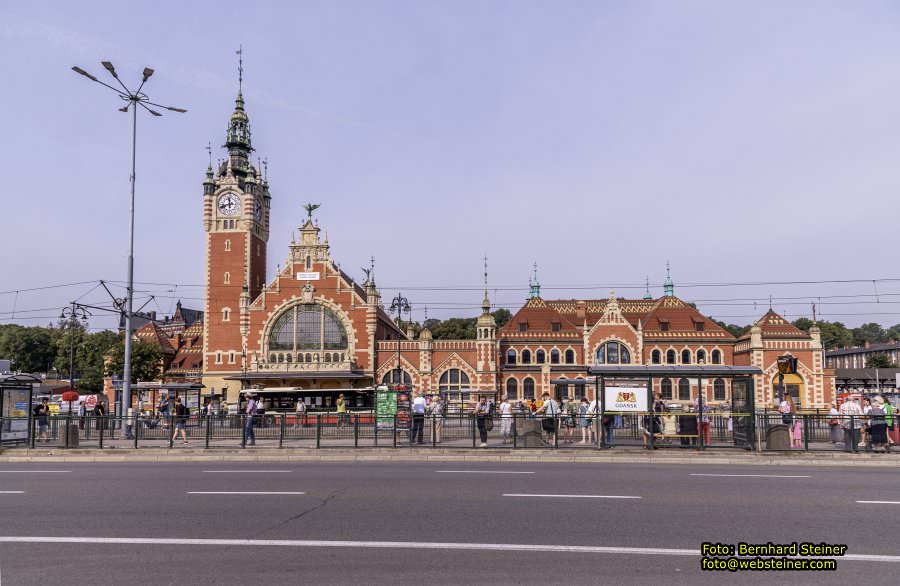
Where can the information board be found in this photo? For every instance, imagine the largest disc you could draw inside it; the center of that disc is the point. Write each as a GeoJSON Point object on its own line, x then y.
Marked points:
{"type": "Point", "coordinates": [403, 410]}
{"type": "Point", "coordinates": [629, 399]}
{"type": "Point", "coordinates": [385, 407]}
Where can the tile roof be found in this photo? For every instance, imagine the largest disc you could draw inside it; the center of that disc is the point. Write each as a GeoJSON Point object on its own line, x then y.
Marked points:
{"type": "Point", "coordinates": [153, 334]}
{"type": "Point", "coordinates": [775, 326]}
{"type": "Point", "coordinates": [874, 348]}
{"type": "Point", "coordinates": [540, 317]}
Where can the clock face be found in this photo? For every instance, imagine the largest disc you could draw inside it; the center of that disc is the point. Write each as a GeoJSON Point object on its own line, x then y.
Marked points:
{"type": "Point", "coordinates": [228, 204]}
{"type": "Point", "coordinates": [257, 210]}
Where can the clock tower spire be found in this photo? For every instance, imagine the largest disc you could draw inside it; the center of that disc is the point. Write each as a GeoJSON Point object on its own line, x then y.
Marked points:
{"type": "Point", "coordinates": [236, 205]}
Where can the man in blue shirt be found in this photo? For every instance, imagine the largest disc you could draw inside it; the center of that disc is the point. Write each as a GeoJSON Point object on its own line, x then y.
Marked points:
{"type": "Point", "coordinates": [248, 423]}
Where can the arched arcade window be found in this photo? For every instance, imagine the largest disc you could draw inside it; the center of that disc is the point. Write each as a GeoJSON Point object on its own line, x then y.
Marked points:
{"type": "Point", "coordinates": [684, 390]}
{"type": "Point", "coordinates": [526, 356]}
{"type": "Point", "coordinates": [656, 357]}
{"type": "Point", "coordinates": [394, 378]}
{"type": "Point", "coordinates": [685, 356]}
{"type": "Point", "coordinates": [540, 357]}
{"type": "Point", "coordinates": [512, 389]}
{"type": "Point", "coordinates": [528, 389]}
{"type": "Point", "coordinates": [719, 390]}
{"type": "Point", "coordinates": [613, 353]}
{"type": "Point", "coordinates": [665, 389]}
{"type": "Point", "coordinates": [511, 356]}
{"type": "Point", "coordinates": [670, 356]}
{"type": "Point", "coordinates": [308, 327]}
{"type": "Point", "coordinates": [554, 356]}
{"type": "Point", "coordinates": [570, 356]}
{"type": "Point", "coordinates": [716, 357]}
{"type": "Point", "coordinates": [701, 356]}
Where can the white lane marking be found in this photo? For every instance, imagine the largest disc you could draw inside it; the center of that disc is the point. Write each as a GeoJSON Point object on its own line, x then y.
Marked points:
{"type": "Point", "coordinates": [12, 492]}
{"type": "Point", "coordinates": [576, 496]}
{"type": "Point", "coordinates": [481, 472]}
{"type": "Point", "coordinates": [407, 545]}
{"type": "Point", "coordinates": [247, 471]}
{"type": "Point", "coordinates": [752, 475]}
{"type": "Point", "coordinates": [243, 492]}
{"type": "Point", "coordinates": [879, 502]}
{"type": "Point", "coordinates": [34, 471]}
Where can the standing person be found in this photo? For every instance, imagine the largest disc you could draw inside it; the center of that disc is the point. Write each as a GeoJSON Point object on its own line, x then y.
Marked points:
{"type": "Point", "coordinates": [164, 411]}
{"type": "Point", "coordinates": [550, 411]}
{"type": "Point", "coordinates": [100, 413]}
{"type": "Point", "coordinates": [851, 416]}
{"type": "Point", "coordinates": [878, 425]}
{"type": "Point", "coordinates": [505, 420]}
{"type": "Point", "coordinates": [532, 406]}
{"type": "Point", "coordinates": [42, 413]}
{"type": "Point", "coordinates": [300, 413]}
{"type": "Point", "coordinates": [789, 417]}
{"type": "Point", "coordinates": [180, 421]}
{"type": "Point", "coordinates": [248, 422]}
{"type": "Point", "coordinates": [585, 421]}
{"type": "Point", "coordinates": [482, 410]}
{"type": "Point", "coordinates": [129, 424]}
{"type": "Point", "coordinates": [834, 423]}
{"type": "Point", "coordinates": [889, 421]}
{"type": "Point", "coordinates": [418, 419]}
{"type": "Point", "coordinates": [341, 406]}
{"type": "Point", "coordinates": [437, 410]}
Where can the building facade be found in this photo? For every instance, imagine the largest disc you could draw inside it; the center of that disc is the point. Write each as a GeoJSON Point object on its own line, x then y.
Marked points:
{"type": "Point", "coordinates": [312, 326]}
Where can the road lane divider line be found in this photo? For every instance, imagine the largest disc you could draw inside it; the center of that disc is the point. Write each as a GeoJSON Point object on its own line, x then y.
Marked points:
{"type": "Point", "coordinates": [405, 545]}
{"type": "Point", "coordinates": [482, 472]}
{"type": "Point", "coordinates": [879, 502]}
{"type": "Point", "coordinates": [576, 496]}
{"type": "Point", "coordinates": [752, 475]}
{"type": "Point", "coordinates": [12, 492]}
{"type": "Point", "coordinates": [246, 471]}
{"type": "Point", "coordinates": [34, 471]}
{"type": "Point", "coordinates": [243, 492]}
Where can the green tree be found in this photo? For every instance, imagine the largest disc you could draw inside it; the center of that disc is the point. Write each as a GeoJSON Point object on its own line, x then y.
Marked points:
{"type": "Point", "coordinates": [871, 333]}
{"type": "Point", "coordinates": [736, 331]}
{"type": "Point", "coordinates": [455, 328]}
{"type": "Point", "coordinates": [803, 323]}
{"type": "Point", "coordinates": [502, 317]}
{"type": "Point", "coordinates": [835, 335]}
{"type": "Point", "coordinates": [879, 360]}
{"type": "Point", "coordinates": [146, 361]}
{"type": "Point", "coordinates": [30, 348]}
{"type": "Point", "coordinates": [91, 358]}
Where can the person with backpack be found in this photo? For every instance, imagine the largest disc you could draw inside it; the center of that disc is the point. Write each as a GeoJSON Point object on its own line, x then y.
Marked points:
{"type": "Point", "coordinates": [181, 417]}
{"type": "Point", "coordinates": [550, 410]}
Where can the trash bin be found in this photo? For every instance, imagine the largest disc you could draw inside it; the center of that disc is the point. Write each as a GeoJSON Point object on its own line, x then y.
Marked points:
{"type": "Point", "coordinates": [71, 435]}
{"type": "Point", "coordinates": [778, 437]}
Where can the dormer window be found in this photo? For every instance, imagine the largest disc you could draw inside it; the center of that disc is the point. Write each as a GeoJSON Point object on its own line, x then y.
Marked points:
{"type": "Point", "coordinates": [523, 326]}
{"type": "Point", "coordinates": [555, 326]}
{"type": "Point", "coordinates": [698, 325]}
{"type": "Point", "coordinates": [664, 325]}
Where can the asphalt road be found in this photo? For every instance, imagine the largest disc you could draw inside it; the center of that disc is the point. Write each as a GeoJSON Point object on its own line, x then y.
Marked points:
{"type": "Point", "coordinates": [431, 523]}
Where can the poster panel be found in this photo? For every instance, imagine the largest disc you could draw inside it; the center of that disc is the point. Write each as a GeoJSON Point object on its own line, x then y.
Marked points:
{"type": "Point", "coordinates": [626, 399]}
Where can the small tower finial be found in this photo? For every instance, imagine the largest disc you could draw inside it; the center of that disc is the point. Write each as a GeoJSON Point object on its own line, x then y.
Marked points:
{"type": "Point", "coordinates": [534, 285]}
{"type": "Point", "coordinates": [310, 208]}
{"type": "Point", "coordinates": [814, 312]}
{"type": "Point", "coordinates": [240, 54]}
{"type": "Point", "coordinates": [209, 150]}
{"type": "Point", "coordinates": [486, 302]}
{"type": "Point", "coordinates": [426, 314]}
{"type": "Point", "coordinates": [668, 286]}
{"type": "Point", "coordinates": [647, 294]}
{"type": "Point", "coordinates": [770, 302]}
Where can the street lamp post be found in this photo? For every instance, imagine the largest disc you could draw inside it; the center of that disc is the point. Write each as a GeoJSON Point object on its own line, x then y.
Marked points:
{"type": "Point", "coordinates": [135, 99]}
{"type": "Point", "coordinates": [73, 314]}
{"type": "Point", "coordinates": [399, 304]}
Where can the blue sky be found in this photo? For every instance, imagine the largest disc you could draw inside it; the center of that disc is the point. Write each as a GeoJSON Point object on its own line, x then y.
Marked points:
{"type": "Point", "coordinates": [744, 141]}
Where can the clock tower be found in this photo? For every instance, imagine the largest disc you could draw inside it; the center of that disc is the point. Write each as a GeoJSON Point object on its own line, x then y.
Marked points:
{"type": "Point", "coordinates": [236, 220]}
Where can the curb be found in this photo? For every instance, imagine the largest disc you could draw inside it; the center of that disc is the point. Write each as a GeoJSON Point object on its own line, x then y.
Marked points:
{"type": "Point", "coordinates": [622, 456]}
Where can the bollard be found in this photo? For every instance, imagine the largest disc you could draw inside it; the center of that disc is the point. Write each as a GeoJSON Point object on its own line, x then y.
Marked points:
{"type": "Point", "coordinates": [281, 431]}
{"type": "Point", "coordinates": [318, 431]}
{"type": "Point", "coordinates": [356, 430]}
{"type": "Point", "coordinates": [208, 430]}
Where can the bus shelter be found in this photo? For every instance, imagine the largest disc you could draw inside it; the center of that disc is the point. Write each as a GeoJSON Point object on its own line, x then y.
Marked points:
{"type": "Point", "coordinates": [16, 398]}
{"type": "Point", "coordinates": [628, 388]}
{"type": "Point", "coordinates": [150, 394]}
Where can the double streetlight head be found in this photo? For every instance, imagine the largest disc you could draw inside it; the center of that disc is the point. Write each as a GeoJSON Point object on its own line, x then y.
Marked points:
{"type": "Point", "coordinates": [132, 97]}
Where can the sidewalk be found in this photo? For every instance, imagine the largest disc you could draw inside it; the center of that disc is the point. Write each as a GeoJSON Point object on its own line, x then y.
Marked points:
{"type": "Point", "coordinates": [386, 454]}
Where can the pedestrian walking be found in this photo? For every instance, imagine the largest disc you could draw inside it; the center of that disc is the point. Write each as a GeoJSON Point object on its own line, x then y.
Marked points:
{"type": "Point", "coordinates": [341, 407]}
{"type": "Point", "coordinates": [505, 420]}
{"type": "Point", "coordinates": [300, 413]}
{"type": "Point", "coordinates": [851, 419]}
{"type": "Point", "coordinates": [42, 413]}
{"type": "Point", "coordinates": [789, 417]}
{"type": "Point", "coordinates": [438, 410]}
{"type": "Point", "coordinates": [418, 419]}
{"type": "Point", "coordinates": [889, 421]}
{"type": "Point", "coordinates": [164, 411]}
{"type": "Point", "coordinates": [550, 411]}
{"type": "Point", "coordinates": [181, 417]}
{"type": "Point", "coordinates": [248, 423]}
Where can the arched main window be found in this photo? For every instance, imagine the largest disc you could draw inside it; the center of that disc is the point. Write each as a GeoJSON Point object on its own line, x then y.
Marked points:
{"type": "Point", "coordinates": [670, 356]}
{"type": "Point", "coordinates": [394, 378]}
{"type": "Point", "coordinates": [665, 389]}
{"type": "Point", "coordinates": [684, 390]}
{"type": "Point", "coordinates": [512, 389]}
{"type": "Point", "coordinates": [540, 357]}
{"type": "Point", "coordinates": [554, 356]}
{"type": "Point", "coordinates": [526, 356]}
{"type": "Point", "coordinates": [719, 390]}
{"type": "Point", "coordinates": [716, 357]}
{"type": "Point", "coordinates": [701, 356]}
{"type": "Point", "coordinates": [528, 388]}
{"type": "Point", "coordinates": [685, 356]}
{"type": "Point", "coordinates": [570, 356]}
{"type": "Point", "coordinates": [656, 357]}
{"type": "Point", "coordinates": [511, 356]}
{"type": "Point", "coordinates": [613, 353]}
{"type": "Point", "coordinates": [308, 327]}
{"type": "Point", "coordinates": [453, 379]}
